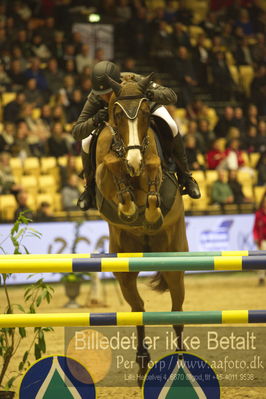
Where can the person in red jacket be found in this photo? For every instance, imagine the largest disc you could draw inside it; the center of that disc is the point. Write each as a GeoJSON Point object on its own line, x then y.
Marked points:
{"type": "Point", "coordinates": [216, 154]}
{"type": "Point", "coordinates": [259, 232]}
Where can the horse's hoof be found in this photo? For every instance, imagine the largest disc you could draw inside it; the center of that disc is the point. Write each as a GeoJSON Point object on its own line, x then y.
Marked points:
{"type": "Point", "coordinates": [153, 225]}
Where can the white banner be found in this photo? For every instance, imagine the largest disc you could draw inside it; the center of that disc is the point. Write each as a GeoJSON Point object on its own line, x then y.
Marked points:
{"type": "Point", "coordinates": [205, 233]}
{"type": "Point", "coordinates": [97, 36]}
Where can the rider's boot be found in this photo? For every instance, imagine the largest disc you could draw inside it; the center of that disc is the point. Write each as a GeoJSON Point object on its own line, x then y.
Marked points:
{"type": "Point", "coordinates": [184, 174]}
{"type": "Point", "coordinates": [87, 198]}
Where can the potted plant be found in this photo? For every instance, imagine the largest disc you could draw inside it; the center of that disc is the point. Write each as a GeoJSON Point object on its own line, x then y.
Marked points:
{"type": "Point", "coordinates": [13, 339]}
{"type": "Point", "coordinates": [72, 282]}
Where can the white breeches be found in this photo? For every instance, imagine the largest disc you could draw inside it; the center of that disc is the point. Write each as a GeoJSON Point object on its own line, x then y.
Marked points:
{"type": "Point", "coordinates": [85, 143]}
{"type": "Point", "coordinates": [161, 112]}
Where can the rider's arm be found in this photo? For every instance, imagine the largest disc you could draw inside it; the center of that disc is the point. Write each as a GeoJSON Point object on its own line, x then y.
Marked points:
{"type": "Point", "coordinates": [159, 94]}
{"type": "Point", "coordinates": [85, 124]}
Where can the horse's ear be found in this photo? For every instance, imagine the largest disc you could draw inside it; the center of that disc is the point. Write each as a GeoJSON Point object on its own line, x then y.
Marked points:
{"type": "Point", "coordinates": [116, 87]}
{"type": "Point", "coordinates": [144, 83]}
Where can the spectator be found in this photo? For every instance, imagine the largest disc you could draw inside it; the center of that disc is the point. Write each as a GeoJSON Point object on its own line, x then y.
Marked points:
{"type": "Point", "coordinates": [57, 47]}
{"type": "Point", "coordinates": [54, 76]}
{"type": "Point", "coordinates": [252, 115]}
{"type": "Point", "coordinates": [39, 48]}
{"type": "Point", "coordinates": [129, 65]}
{"type": "Point", "coordinates": [47, 30]}
{"type": "Point", "coordinates": [240, 121]}
{"type": "Point", "coordinates": [5, 81]}
{"type": "Point", "coordinates": [243, 53]}
{"type": "Point", "coordinates": [7, 182]}
{"type": "Point", "coordinates": [35, 71]}
{"type": "Point", "coordinates": [179, 37]}
{"type": "Point", "coordinates": [70, 194]}
{"type": "Point", "coordinates": [46, 116]}
{"type": "Point", "coordinates": [261, 169]}
{"type": "Point", "coordinates": [258, 89]}
{"type": "Point", "coordinates": [16, 75]}
{"type": "Point", "coordinates": [206, 133]}
{"type": "Point", "coordinates": [67, 90]}
{"type": "Point", "coordinates": [210, 24]}
{"type": "Point", "coordinates": [23, 43]}
{"type": "Point", "coordinates": [262, 135]}
{"type": "Point", "coordinates": [140, 29]}
{"type": "Point", "coordinates": [234, 156]}
{"type": "Point", "coordinates": [44, 212]}
{"type": "Point", "coordinates": [192, 153]}
{"type": "Point", "coordinates": [16, 54]}
{"type": "Point", "coordinates": [192, 130]}
{"type": "Point", "coordinates": [57, 143]}
{"type": "Point", "coordinates": [201, 59]}
{"type": "Point", "coordinates": [222, 83]}
{"type": "Point", "coordinates": [33, 94]}
{"type": "Point", "coordinates": [22, 202]}
{"type": "Point", "coordinates": [75, 106]}
{"type": "Point", "coordinates": [69, 68]}
{"type": "Point", "coordinates": [20, 147]}
{"type": "Point", "coordinates": [244, 22]}
{"type": "Point", "coordinates": [186, 76]}
{"type": "Point", "coordinates": [216, 154]}
{"type": "Point", "coordinates": [13, 108]}
{"type": "Point", "coordinates": [225, 121]}
{"type": "Point", "coordinates": [259, 232]}
{"type": "Point", "coordinates": [237, 188]}
{"type": "Point", "coordinates": [7, 137]}
{"type": "Point", "coordinates": [228, 39]}
{"type": "Point", "coordinates": [161, 48]}
{"type": "Point", "coordinates": [251, 141]}
{"type": "Point", "coordinates": [84, 58]}
{"type": "Point", "coordinates": [99, 55]}
{"type": "Point", "coordinates": [221, 192]}
{"type": "Point", "coordinates": [258, 49]}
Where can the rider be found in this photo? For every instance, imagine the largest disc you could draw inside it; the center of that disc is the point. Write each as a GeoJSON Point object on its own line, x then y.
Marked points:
{"type": "Point", "coordinates": [95, 113]}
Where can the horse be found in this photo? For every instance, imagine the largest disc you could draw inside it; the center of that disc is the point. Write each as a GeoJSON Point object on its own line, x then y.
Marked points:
{"type": "Point", "coordinates": [138, 198]}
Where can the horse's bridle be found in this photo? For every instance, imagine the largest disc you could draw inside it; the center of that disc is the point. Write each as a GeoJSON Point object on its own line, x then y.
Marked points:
{"type": "Point", "coordinates": [118, 145]}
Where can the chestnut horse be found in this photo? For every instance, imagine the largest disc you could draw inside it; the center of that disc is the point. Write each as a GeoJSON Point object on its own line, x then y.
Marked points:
{"type": "Point", "coordinates": [140, 201]}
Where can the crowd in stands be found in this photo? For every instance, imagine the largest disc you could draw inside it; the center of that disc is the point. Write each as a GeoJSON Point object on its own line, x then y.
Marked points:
{"type": "Point", "coordinates": [45, 71]}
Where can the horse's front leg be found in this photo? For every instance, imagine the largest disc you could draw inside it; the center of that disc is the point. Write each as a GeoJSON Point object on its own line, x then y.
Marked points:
{"type": "Point", "coordinates": [127, 208]}
{"type": "Point", "coordinates": [153, 214]}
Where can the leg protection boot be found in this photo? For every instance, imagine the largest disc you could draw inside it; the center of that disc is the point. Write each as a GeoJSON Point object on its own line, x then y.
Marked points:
{"type": "Point", "coordinates": [183, 172]}
{"type": "Point", "coordinates": [87, 198]}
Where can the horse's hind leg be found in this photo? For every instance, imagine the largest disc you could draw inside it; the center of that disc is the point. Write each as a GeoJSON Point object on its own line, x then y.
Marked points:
{"type": "Point", "coordinates": [128, 284]}
{"type": "Point", "coordinates": [175, 282]}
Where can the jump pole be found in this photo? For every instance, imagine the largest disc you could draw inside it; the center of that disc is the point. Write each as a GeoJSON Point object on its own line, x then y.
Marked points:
{"type": "Point", "coordinates": [132, 318]}
{"type": "Point", "coordinates": [67, 265]}
{"type": "Point", "coordinates": [135, 255]}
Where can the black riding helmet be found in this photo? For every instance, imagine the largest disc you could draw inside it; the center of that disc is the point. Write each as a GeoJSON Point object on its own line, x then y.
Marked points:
{"type": "Point", "coordinates": [100, 84]}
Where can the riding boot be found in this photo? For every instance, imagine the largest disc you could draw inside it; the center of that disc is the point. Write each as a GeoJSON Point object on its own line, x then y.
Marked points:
{"type": "Point", "coordinates": [183, 172]}
{"type": "Point", "coordinates": [87, 199]}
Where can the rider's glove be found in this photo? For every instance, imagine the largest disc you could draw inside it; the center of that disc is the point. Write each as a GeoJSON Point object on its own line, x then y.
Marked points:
{"type": "Point", "coordinates": [100, 117]}
{"type": "Point", "coordinates": [150, 94]}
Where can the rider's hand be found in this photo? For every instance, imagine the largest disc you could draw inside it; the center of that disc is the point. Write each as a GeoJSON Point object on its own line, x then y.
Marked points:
{"type": "Point", "coordinates": [150, 94]}
{"type": "Point", "coordinates": [100, 117]}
